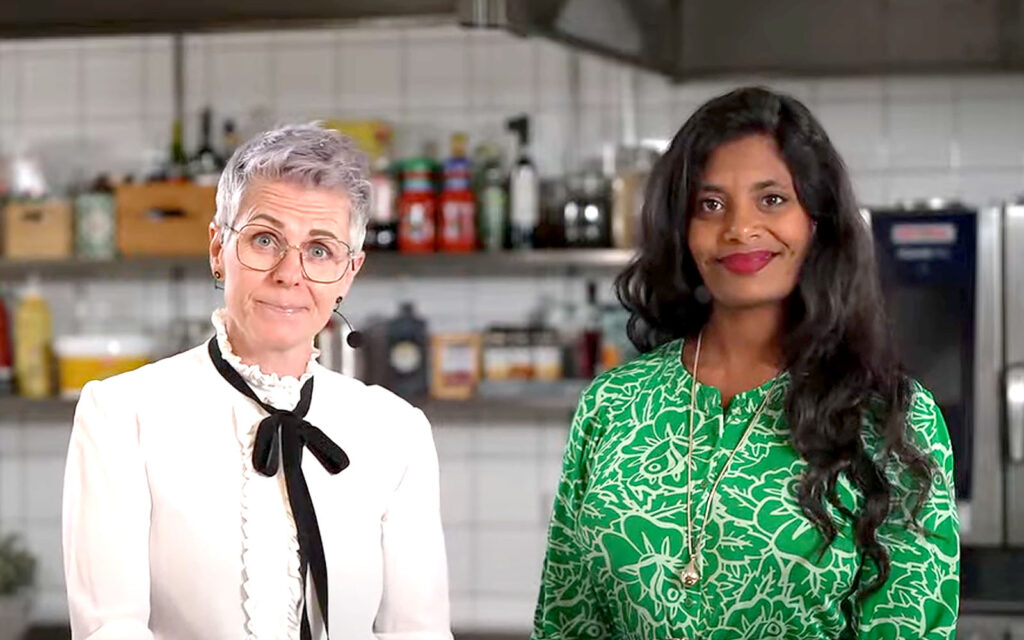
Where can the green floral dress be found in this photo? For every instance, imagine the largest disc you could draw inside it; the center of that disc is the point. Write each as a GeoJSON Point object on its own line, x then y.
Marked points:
{"type": "Point", "coordinates": [617, 541]}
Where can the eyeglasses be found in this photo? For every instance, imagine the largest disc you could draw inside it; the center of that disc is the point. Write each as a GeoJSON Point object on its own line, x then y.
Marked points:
{"type": "Point", "coordinates": [262, 248]}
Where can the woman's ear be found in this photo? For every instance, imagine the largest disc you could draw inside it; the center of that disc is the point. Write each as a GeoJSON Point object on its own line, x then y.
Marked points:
{"type": "Point", "coordinates": [216, 247]}
{"type": "Point", "coordinates": [357, 263]}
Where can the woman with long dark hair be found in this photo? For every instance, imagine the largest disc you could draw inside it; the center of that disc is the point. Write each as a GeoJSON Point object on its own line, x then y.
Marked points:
{"type": "Point", "coordinates": [765, 469]}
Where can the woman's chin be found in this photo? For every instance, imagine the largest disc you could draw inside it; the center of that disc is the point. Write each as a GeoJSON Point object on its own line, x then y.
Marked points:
{"type": "Point", "coordinates": [282, 333]}
{"type": "Point", "coordinates": [741, 300]}
{"type": "Point", "coordinates": [285, 316]}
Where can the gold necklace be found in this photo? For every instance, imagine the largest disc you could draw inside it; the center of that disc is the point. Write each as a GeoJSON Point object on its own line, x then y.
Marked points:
{"type": "Point", "coordinates": [692, 571]}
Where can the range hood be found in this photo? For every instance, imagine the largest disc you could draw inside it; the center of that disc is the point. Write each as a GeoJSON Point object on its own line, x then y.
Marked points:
{"type": "Point", "coordinates": [681, 39]}
{"type": "Point", "coordinates": [686, 39]}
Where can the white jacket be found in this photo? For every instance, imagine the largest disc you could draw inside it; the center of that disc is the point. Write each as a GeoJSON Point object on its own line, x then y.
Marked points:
{"type": "Point", "coordinates": [156, 528]}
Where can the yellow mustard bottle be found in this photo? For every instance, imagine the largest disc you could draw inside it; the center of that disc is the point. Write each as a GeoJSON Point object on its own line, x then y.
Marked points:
{"type": "Point", "coordinates": [33, 344]}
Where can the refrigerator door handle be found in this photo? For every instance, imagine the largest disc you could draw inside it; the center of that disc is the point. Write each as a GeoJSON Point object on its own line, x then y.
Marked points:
{"type": "Point", "coordinates": [1015, 412]}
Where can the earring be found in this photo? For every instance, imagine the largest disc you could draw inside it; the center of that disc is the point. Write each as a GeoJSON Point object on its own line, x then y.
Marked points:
{"type": "Point", "coordinates": [702, 294]}
{"type": "Point", "coordinates": [218, 283]}
{"type": "Point", "coordinates": [337, 303]}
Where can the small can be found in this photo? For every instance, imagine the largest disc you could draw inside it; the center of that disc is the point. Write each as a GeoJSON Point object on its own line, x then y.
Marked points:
{"type": "Point", "coordinates": [520, 356]}
{"type": "Point", "coordinates": [95, 226]}
{"type": "Point", "coordinates": [495, 355]}
{"type": "Point", "coordinates": [547, 355]}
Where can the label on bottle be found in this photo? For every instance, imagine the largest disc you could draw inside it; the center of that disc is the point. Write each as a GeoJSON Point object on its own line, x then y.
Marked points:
{"type": "Point", "coordinates": [525, 197]}
{"type": "Point", "coordinates": [417, 228]}
{"type": "Point", "coordinates": [457, 222]}
{"type": "Point", "coordinates": [383, 198]}
{"type": "Point", "coordinates": [382, 236]}
{"type": "Point", "coordinates": [405, 357]}
{"type": "Point", "coordinates": [415, 183]}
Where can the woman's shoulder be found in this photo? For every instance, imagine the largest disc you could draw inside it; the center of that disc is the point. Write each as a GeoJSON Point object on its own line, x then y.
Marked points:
{"type": "Point", "coordinates": [926, 425]}
{"type": "Point", "coordinates": [152, 389]}
{"type": "Point", "coordinates": [370, 400]}
{"type": "Point", "coordinates": [922, 410]}
{"type": "Point", "coordinates": [645, 372]}
{"type": "Point", "coordinates": [612, 397]}
{"type": "Point", "coordinates": [156, 377]}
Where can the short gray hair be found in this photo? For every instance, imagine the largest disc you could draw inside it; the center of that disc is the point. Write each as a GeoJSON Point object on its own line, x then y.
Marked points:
{"type": "Point", "coordinates": [306, 155]}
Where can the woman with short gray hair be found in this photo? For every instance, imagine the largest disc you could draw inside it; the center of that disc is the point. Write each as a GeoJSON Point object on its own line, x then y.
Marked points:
{"type": "Point", "coordinates": [190, 509]}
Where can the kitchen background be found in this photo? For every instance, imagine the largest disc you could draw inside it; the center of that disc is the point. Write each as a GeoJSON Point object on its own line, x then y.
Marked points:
{"type": "Point", "coordinates": [72, 109]}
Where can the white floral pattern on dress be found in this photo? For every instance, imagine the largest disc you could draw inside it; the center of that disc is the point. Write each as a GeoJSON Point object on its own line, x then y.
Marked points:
{"type": "Point", "coordinates": [617, 541]}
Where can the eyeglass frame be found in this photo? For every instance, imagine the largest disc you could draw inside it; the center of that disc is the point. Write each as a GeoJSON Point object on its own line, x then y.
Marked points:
{"type": "Point", "coordinates": [352, 253]}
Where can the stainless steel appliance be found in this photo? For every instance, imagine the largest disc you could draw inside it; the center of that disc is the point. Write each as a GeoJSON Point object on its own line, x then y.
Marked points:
{"type": "Point", "coordinates": [954, 284]}
{"type": "Point", "coordinates": [990, 627]}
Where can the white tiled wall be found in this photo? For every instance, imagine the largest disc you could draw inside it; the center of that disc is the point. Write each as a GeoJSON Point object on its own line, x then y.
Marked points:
{"type": "Point", "coordinates": [105, 104]}
{"type": "Point", "coordinates": [109, 100]}
{"type": "Point", "coordinates": [497, 485]}
{"type": "Point", "coordinates": [31, 474]}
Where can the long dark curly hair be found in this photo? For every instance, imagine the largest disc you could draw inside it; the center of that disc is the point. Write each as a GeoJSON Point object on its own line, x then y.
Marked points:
{"type": "Point", "coordinates": [845, 376]}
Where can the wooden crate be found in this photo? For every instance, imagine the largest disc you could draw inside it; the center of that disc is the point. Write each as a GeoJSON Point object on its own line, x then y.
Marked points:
{"type": "Point", "coordinates": [34, 230]}
{"type": "Point", "coordinates": [164, 219]}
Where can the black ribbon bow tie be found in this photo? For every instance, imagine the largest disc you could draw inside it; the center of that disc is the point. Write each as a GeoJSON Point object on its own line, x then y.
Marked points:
{"type": "Point", "coordinates": [283, 435]}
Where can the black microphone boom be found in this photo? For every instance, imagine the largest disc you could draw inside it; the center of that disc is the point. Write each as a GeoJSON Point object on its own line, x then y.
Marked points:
{"type": "Point", "coordinates": [354, 338]}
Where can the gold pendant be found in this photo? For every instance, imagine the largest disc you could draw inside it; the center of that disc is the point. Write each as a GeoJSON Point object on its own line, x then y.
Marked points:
{"type": "Point", "coordinates": [691, 575]}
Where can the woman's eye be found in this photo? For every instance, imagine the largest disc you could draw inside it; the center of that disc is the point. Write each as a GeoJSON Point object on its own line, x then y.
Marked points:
{"type": "Point", "coordinates": [320, 252]}
{"type": "Point", "coordinates": [773, 200]}
{"type": "Point", "coordinates": [265, 240]}
{"type": "Point", "coordinates": [710, 205]}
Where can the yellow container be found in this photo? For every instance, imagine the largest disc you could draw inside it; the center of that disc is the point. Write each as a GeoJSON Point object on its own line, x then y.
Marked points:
{"type": "Point", "coordinates": [370, 135]}
{"type": "Point", "coordinates": [33, 333]}
{"type": "Point", "coordinates": [95, 357]}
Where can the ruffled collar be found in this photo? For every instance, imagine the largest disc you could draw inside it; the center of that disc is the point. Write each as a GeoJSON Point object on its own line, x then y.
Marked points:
{"type": "Point", "coordinates": [271, 578]}
{"type": "Point", "coordinates": [251, 373]}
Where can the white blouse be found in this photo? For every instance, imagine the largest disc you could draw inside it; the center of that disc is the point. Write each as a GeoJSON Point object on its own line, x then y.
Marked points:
{"type": "Point", "coordinates": [169, 532]}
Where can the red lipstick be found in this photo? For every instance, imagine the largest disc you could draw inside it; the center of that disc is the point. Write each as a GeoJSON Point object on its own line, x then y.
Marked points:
{"type": "Point", "coordinates": [747, 263]}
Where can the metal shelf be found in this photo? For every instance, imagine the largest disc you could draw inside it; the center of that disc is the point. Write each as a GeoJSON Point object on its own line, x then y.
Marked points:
{"type": "Point", "coordinates": [81, 268]}
{"type": "Point", "coordinates": [538, 262]}
{"type": "Point", "coordinates": [49, 410]}
{"type": "Point", "coordinates": [474, 412]}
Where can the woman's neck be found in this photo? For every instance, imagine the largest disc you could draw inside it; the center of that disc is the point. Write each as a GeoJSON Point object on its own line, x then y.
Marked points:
{"type": "Point", "coordinates": [739, 338]}
{"type": "Point", "coordinates": [740, 349]}
{"type": "Point", "coordinates": [291, 362]}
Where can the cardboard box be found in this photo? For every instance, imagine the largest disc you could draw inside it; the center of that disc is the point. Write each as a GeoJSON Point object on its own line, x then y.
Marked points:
{"type": "Point", "coordinates": [164, 219]}
{"type": "Point", "coordinates": [38, 229]}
